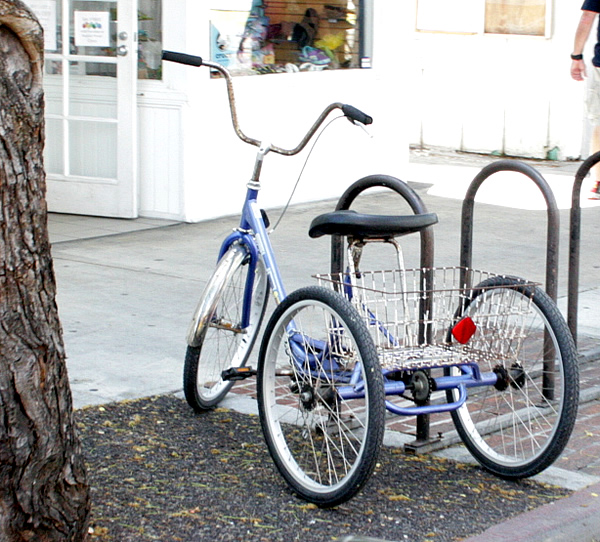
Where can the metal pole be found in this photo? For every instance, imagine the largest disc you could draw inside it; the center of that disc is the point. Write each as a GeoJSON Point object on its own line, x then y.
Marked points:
{"type": "Point", "coordinates": [427, 254]}
{"type": "Point", "coordinates": [574, 243]}
{"type": "Point", "coordinates": [552, 236]}
{"type": "Point", "coordinates": [552, 242]}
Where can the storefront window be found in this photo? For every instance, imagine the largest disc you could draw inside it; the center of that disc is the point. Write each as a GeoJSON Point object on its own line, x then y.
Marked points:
{"type": "Point", "coordinates": [257, 37]}
{"type": "Point", "coordinates": [150, 39]}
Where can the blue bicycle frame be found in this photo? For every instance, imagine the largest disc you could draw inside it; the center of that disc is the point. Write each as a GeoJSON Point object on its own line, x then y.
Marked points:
{"type": "Point", "coordinates": [252, 234]}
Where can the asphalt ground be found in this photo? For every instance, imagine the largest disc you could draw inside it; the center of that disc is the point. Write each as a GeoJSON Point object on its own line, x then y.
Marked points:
{"type": "Point", "coordinates": [160, 472]}
{"type": "Point", "coordinates": [126, 290]}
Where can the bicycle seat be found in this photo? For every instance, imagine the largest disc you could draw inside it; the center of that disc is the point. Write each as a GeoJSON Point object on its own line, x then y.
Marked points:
{"type": "Point", "coordinates": [364, 226]}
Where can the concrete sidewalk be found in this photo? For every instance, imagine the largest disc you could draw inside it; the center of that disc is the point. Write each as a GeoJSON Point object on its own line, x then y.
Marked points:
{"type": "Point", "coordinates": [126, 290]}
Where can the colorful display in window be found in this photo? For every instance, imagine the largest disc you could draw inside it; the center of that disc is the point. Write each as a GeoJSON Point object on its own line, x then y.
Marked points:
{"type": "Point", "coordinates": [255, 37]}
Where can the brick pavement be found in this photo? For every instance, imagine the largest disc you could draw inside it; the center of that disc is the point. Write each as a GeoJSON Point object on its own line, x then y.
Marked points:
{"type": "Point", "coordinates": [582, 453]}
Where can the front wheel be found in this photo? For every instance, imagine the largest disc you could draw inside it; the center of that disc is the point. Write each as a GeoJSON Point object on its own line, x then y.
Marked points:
{"type": "Point", "coordinates": [520, 426]}
{"type": "Point", "coordinates": [218, 338]}
{"type": "Point", "coordinates": [320, 396]}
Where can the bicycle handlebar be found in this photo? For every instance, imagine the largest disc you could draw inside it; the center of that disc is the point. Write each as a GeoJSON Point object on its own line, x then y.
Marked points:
{"type": "Point", "coordinates": [182, 58]}
{"type": "Point", "coordinates": [352, 113]}
{"type": "Point", "coordinates": [357, 115]}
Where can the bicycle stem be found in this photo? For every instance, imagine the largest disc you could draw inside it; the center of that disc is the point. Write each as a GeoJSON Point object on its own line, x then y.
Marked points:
{"type": "Point", "coordinates": [260, 156]}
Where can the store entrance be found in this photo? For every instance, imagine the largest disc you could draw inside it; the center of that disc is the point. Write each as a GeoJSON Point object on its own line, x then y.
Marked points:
{"type": "Point", "coordinates": [90, 78]}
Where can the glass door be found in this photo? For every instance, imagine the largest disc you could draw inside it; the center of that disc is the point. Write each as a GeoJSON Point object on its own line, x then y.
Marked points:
{"type": "Point", "coordinates": [90, 86]}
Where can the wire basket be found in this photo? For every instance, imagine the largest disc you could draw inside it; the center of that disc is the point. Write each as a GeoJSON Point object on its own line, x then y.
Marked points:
{"type": "Point", "coordinates": [424, 318]}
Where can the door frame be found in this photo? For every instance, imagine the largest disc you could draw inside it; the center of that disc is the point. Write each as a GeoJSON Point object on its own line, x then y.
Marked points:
{"type": "Point", "coordinates": [90, 195]}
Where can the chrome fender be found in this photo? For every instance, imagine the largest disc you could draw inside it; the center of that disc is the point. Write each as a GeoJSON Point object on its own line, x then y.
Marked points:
{"type": "Point", "coordinates": [212, 293]}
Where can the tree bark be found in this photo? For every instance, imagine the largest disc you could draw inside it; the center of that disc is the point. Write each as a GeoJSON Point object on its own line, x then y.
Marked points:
{"type": "Point", "coordinates": [44, 495]}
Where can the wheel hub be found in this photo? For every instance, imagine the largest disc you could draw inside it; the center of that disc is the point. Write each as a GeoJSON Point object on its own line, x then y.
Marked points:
{"type": "Point", "coordinates": [514, 376]}
{"type": "Point", "coordinates": [517, 375]}
{"type": "Point", "coordinates": [502, 379]}
{"type": "Point", "coordinates": [307, 397]}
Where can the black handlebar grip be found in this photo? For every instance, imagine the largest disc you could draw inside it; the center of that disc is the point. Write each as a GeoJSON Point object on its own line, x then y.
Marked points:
{"type": "Point", "coordinates": [182, 58]}
{"type": "Point", "coordinates": [356, 114]}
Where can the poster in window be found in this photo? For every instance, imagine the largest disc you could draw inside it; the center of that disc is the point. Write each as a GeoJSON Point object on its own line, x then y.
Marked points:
{"type": "Point", "coordinates": [92, 28]}
{"type": "Point", "coordinates": [45, 11]}
{"type": "Point", "coordinates": [237, 40]}
{"type": "Point", "coordinates": [226, 32]}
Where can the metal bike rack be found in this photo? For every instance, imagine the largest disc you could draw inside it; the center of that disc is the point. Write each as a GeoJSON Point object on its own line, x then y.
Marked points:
{"type": "Point", "coordinates": [423, 439]}
{"type": "Point", "coordinates": [574, 243]}
{"type": "Point", "coordinates": [552, 242]}
{"type": "Point", "coordinates": [427, 253]}
{"type": "Point", "coordinates": [552, 239]}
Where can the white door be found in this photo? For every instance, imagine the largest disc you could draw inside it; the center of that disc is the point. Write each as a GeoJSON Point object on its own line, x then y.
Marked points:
{"type": "Point", "coordinates": [90, 85]}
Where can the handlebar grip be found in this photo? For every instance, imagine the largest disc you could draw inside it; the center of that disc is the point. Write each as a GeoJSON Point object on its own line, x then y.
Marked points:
{"type": "Point", "coordinates": [182, 58]}
{"type": "Point", "coordinates": [356, 114]}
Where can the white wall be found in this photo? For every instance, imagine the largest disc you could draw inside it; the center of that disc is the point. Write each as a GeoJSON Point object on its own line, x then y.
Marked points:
{"type": "Point", "coordinates": [511, 94]}
{"type": "Point", "coordinates": [213, 165]}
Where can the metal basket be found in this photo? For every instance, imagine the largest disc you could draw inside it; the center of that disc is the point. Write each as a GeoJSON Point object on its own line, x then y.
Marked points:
{"type": "Point", "coordinates": [413, 314]}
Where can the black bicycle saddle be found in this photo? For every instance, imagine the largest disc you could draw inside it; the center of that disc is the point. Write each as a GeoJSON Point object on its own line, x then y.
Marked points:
{"type": "Point", "coordinates": [365, 226]}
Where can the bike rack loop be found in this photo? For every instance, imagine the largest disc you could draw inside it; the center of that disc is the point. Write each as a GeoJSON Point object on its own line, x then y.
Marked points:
{"type": "Point", "coordinates": [574, 243]}
{"type": "Point", "coordinates": [427, 253]}
{"type": "Point", "coordinates": [552, 240]}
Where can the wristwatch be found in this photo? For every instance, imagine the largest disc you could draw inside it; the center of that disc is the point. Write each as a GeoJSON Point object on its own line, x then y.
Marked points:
{"type": "Point", "coordinates": [576, 57]}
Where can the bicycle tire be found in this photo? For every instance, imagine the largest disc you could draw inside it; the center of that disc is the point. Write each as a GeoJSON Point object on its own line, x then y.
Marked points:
{"type": "Point", "coordinates": [325, 447]}
{"type": "Point", "coordinates": [518, 428]}
{"type": "Point", "coordinates": [218, 342]}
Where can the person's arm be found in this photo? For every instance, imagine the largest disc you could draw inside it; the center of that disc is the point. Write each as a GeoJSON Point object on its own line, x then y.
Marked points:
{"type": "Point", "coordinates": [581, 35]}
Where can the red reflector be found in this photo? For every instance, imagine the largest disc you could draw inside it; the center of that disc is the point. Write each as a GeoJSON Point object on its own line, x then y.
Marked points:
{"type": "Point", "coordinates": [464, 330]}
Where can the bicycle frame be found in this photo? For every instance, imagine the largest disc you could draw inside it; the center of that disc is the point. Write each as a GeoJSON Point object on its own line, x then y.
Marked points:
{"type": "Point", "coordinates": [470, 378]}
{"type": "Point", "coordinates": [252, 234]}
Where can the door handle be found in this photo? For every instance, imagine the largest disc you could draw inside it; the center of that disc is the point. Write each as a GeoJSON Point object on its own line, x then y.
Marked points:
{"type": "Point", "coordinates": [122, 50]}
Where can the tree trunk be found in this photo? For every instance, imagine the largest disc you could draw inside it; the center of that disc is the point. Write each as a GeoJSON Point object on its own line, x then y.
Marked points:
{"type": "Point", "coordinates": [44, 495]}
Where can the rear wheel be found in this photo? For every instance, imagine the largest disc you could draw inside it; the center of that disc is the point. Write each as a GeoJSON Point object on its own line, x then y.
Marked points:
{"type": "Point", "coordinates": [321, 396]}
{"type": "Point", "coordinates": [219, 340]}
{"type": "Point", "coordinates": [519, 427]}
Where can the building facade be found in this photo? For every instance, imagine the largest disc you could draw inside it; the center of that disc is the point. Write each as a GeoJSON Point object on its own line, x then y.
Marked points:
{"type": "Point", "coordinates": [129, 135]}
{"type": "Point", "coordinates": [493, 76]}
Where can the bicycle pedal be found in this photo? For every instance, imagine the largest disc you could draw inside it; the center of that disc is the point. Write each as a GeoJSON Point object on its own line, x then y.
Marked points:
{"type": "Point", "coordinates": [238, 373]}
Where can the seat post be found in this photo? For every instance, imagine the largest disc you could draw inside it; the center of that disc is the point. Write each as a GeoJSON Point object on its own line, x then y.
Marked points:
{"type": "Point", "coordinates": [355, 250]}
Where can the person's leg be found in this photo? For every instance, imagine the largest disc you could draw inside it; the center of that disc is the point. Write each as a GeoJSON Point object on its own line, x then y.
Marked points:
{"type": "Point", "coordinates": [593, 115]}
{"type": "Point", "coordinates": [595, 147]}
